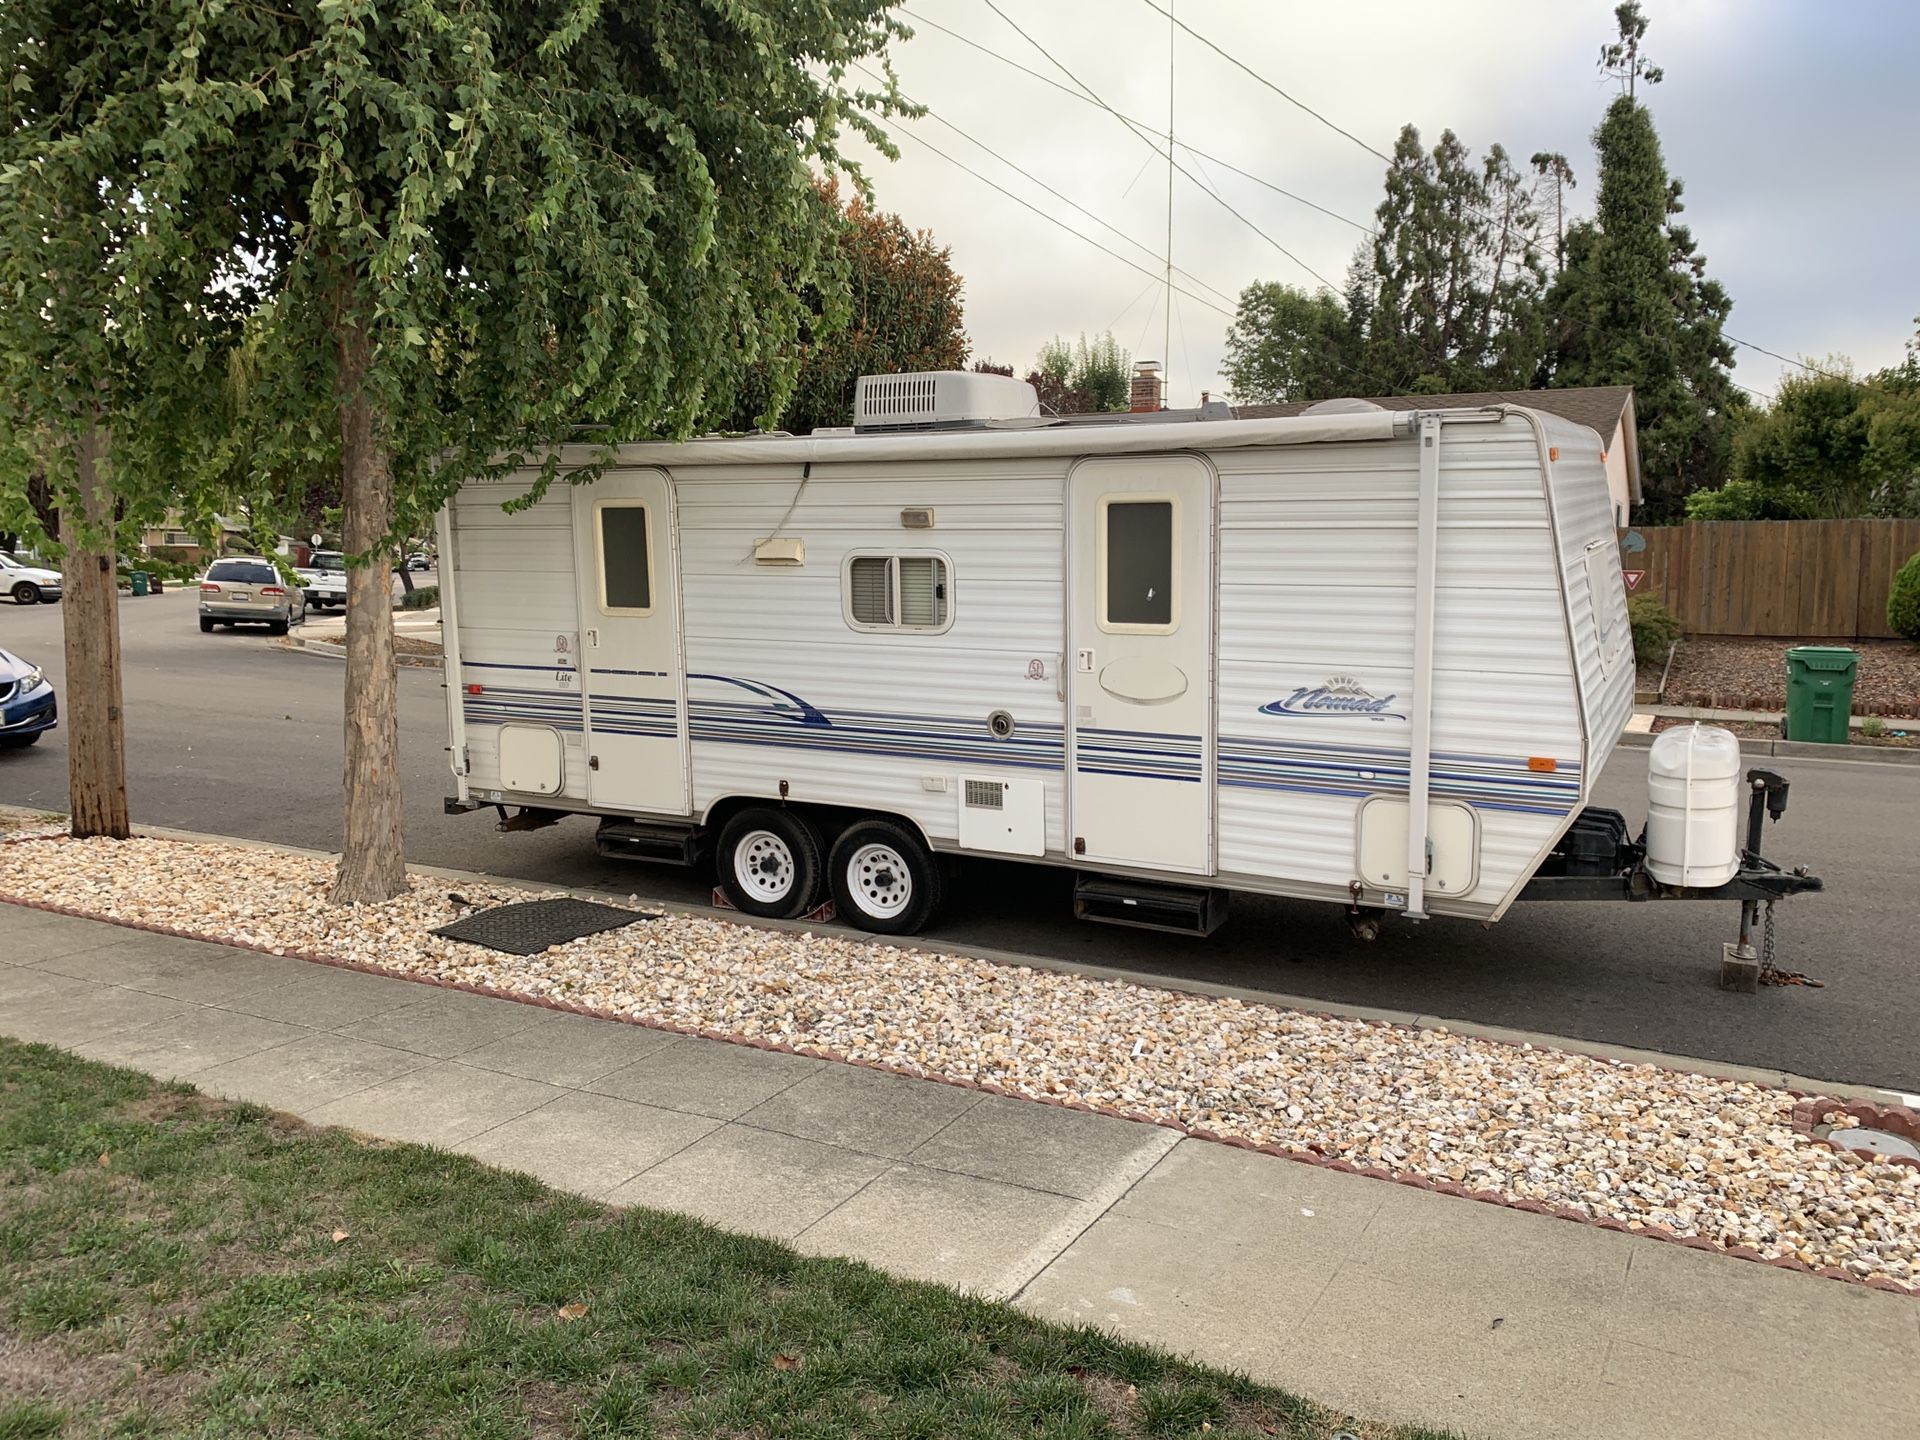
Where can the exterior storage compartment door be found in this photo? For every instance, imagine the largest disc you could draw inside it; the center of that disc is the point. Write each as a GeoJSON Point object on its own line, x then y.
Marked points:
{"type": "Point", "coordinates": [1141, 664]}
{"type": "Point", "coordinates": [630, 643]}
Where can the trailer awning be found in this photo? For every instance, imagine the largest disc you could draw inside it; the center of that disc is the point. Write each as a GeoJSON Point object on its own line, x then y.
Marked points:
{"type": "Point", "coordinates": [1038, 438]}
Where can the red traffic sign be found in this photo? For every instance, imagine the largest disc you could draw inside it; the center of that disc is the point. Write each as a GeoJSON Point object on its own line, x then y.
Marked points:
{"type": "Point", "coordinates": [1633, 579]}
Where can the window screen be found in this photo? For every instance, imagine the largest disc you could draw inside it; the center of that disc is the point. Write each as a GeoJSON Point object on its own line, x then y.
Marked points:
{"type": "Point", "coordinates": [626, 581]}
{"type": "Point", "coordinates": [1139, 562]}
{"type": "Point", "coordinates": [898, 592]}
{"type": "Point", "coordinates": [871, 581]}
{"type": "Point", "coordinates": [923, 591]}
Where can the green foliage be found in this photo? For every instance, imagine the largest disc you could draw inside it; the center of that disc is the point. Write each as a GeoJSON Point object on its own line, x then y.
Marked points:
{"type": "Point", "coordinates": [1903, 601]}
{"type": "Point", "coordinates": [520, 219]}
{"type": "Point", "coordinates": [902, 312]}
{"type": "Point", "coordinates": [1654, 626]}
{"type": "Point", "coordinates": [1456, 276]}
{"type": "Point", "coordinates": [1285, 344]}
{"type": "Point", "coordinates": [1831, 446]}
{"type": "Point", "coordinates": [423, 597]}
{"type": "Point", "coordinates": [1873, 728]}
{"type": "Point", "coordinates": [1447, 297]}
{"type": "Point", "coordinates": [114, 323]}
{"type": "Point", "coordinates": [1633, 306]}
{"type": "Point", "coordinates": [1082, 378]}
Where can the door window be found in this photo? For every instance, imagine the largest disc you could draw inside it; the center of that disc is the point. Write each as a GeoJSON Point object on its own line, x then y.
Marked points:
{"type": "Point", "coordinates": [625, 556]}
{"type": "Point", "coordinates": [1138, 539]}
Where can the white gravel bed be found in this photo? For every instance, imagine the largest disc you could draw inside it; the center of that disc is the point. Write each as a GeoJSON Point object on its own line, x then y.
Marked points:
{"type": "Point", "coordinates": [1650, 1148]}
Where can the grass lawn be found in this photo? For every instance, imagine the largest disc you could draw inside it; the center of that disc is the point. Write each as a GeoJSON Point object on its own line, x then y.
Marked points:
{"type": "Point", "coordinates": [173, 1265]}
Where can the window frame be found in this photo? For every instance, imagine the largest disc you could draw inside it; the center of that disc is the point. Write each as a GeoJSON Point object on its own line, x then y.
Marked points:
{"type": "Point", "coordinates": [1136, 497]}
{"type": "Point", "coordinates": [600, 557]}
{"type": "Point", "coordinates": [893, 557]}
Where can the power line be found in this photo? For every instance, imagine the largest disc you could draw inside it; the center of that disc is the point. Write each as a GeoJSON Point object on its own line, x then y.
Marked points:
{"type": "Point", "coordinates": [1299, 104]}
{"type": "Point", "coordinates": [1291, 100]}
{"type": "Point", "coordinates": [1136, 122]}
{"type": "Point", "coordinates": [1064, 199]}
{"type": "Point", "coordinates": [1133, 130]}
{"type": "Point", "coordinates": [919, 139]}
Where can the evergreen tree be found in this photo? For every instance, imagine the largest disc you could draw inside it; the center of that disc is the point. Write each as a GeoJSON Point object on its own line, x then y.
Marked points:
{"type": "Point", "coordinates": [1633, 305]}
{"type": "Point", "coordinates": [1453, 286]}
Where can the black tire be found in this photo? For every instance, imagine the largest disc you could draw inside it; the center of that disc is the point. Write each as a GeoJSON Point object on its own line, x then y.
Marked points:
{"type": "Point", "coordinates": [884, 880]}
{"type": "Point", "coordinates": [206, 626]}
{"type": "Point", "coordinates": [768, 863]}
{"type": "Point", "coordinates": [26, 593]}
{"type": "Point", "coordinates": [19, 742]}
{"type": "Point", "coordinates": [276, 627]}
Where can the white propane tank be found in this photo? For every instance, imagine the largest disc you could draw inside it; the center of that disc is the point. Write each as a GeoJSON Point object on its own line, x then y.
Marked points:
{"type": "Point", "coordinates": [1693, 806]}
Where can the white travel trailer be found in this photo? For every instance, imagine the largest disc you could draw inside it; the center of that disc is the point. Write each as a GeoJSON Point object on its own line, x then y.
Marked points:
{"type": "Point", "coordinates": [1364, 657]}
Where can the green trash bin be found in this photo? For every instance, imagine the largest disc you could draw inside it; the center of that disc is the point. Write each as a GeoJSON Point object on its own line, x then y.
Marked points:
{"type": "Point", "coordinates": [1820, 693]}
{"type": "Point", "coordinates": [139, 582]}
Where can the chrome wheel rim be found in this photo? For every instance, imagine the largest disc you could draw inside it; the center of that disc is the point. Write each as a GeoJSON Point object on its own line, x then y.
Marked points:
{"type": "Point", "coordinates": [880, 880]}
{"type": "Point", "coordinates": [763, 866]}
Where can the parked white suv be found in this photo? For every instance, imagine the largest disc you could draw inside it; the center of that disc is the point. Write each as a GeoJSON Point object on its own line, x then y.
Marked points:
{"type": "Point", "coordinates": [27, 584]}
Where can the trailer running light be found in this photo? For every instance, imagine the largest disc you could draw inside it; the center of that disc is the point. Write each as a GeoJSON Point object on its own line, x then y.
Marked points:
{"type": "Point", "coordinates": [1553, 452]}
{"type": "Point", "coordinates": [1542, 764]}
{"type": "Point", "coordinates": [476, 689]}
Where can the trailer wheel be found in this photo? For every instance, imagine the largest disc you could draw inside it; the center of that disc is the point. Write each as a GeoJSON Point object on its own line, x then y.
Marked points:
{"type": "Point", "coordinates": [884, 880]}
{"type": "Point", "coordinates": [769, 863]}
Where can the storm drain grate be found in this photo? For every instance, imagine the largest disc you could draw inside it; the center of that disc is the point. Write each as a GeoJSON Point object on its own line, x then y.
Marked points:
{"type": "Point", "coordinates": [536, 925]}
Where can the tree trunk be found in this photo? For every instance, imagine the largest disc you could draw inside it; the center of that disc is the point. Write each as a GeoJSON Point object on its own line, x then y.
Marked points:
{"type": "Point", "coordinates": [372, 863]}
{"type": "Point", "coordinates": [96, 736]}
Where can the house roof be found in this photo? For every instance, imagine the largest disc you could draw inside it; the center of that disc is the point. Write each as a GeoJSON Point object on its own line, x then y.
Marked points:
{"type": "Point", "coordinates": [1601, 408]}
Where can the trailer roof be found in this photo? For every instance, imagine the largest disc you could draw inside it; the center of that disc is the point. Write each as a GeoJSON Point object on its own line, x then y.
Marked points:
{"type": "Point", "coordinates": [1004, 440]}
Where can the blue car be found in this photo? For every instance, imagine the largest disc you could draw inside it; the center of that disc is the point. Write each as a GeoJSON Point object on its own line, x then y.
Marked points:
{"type": "Point", "coordinates": [27, 706]}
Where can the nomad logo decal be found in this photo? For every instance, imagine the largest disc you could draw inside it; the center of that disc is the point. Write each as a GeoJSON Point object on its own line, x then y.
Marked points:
{"type": "Point", "coordinates": [1341, 695]}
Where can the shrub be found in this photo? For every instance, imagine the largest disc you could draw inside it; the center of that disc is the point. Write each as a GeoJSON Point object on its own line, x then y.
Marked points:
{"type": "Point", "coordinates": [1654, 626]}
{"type": "Point", "coordinates": [423, 598]}
{"type": "Point", "coordinates": [1903, 601]}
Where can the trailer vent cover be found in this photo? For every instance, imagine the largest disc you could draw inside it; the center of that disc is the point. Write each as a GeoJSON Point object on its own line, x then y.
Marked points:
{"type": "Point", "coordinates": [536, 925]}
{"type": "Point", "coordinates": [986, 794]}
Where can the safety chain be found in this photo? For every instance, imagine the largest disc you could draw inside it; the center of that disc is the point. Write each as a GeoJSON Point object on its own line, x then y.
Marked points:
{"type": "Point", "coordinates": [1767, 946]}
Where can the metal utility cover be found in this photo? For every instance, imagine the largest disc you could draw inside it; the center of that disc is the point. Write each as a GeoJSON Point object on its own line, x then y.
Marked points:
{"type": "Point", "coordinates": [536, 925]}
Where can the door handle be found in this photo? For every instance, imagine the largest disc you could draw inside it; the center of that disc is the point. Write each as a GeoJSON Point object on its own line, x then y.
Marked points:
{"type": "Point", "coordinates": [593, 638]}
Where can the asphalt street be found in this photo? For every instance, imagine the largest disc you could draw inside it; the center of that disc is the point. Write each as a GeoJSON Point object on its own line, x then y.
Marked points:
{"type": "Point", "coordinates": [230, 734]}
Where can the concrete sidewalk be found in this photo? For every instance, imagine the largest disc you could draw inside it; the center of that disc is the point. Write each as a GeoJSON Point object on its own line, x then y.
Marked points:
{"type": "Point", "coordinates": [1388, 1301]}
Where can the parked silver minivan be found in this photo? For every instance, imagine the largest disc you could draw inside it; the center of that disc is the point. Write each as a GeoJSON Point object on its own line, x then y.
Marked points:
{"type": "Point", "coordinates": [245, 589]}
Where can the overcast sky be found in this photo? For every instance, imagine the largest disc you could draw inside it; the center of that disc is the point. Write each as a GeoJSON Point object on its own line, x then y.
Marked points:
{"type": "Point", "coordinates": [1792, 124]}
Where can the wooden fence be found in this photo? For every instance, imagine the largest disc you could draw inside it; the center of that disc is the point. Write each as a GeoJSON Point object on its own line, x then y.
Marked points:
{"type": "Point", "coordinates": [1812, 579]}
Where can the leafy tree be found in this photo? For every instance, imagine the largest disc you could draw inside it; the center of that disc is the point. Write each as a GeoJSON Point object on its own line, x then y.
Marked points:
{"type": "Point", "coordinates": [1286, 344]}
{"type": "Point", "coordinates": [1082, 378]}
{"type": "Point", "coordinates": [1831, 446]}
{"type": "Point", "coordinates": [900, 312]}
{"type": "Point", "coordinates": [108, 337]}
{"type": "Point", "coordinates": [1632, 304]}
{"type": "Point", "coordinates": [470, 230]}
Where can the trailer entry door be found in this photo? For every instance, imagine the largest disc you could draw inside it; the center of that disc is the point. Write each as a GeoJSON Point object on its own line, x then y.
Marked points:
{"type": "Point", "coordinates": [630, 643]}
{"type": "Point", "coordinates": [1141, 667]}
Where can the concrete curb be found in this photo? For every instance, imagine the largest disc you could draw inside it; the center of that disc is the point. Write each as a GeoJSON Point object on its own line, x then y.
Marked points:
{"type": "Point", "coordinates": [339, 652]}
{"type": "Point", "coordinates": [1805, 750]}
{"type": "Point", "coordinates": [1812, 1103]}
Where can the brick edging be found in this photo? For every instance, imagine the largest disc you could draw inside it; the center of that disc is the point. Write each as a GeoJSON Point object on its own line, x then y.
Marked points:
{"type": "Point", "coordinates": [1895, 1119]}
{"type": "Point", "coordinates": [1813, 1105]}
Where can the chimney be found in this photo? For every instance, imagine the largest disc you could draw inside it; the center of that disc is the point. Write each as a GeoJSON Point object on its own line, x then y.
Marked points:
{"type": "Point", "coordinates": [1146, 387]}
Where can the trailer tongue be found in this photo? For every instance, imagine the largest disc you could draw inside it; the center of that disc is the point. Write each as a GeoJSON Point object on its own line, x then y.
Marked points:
{"type": "Point", "coordinates": [1596, 861]}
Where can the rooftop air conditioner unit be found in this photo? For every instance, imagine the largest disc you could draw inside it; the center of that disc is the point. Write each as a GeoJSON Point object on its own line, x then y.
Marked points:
{"type": "Point", "coordinates": [940, 399]}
